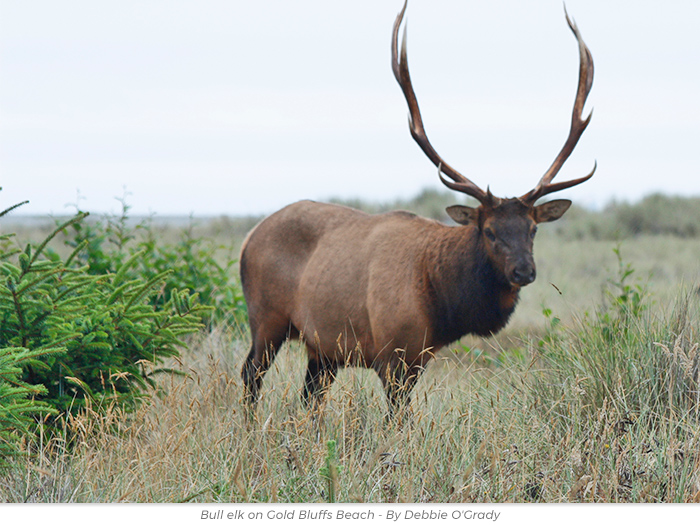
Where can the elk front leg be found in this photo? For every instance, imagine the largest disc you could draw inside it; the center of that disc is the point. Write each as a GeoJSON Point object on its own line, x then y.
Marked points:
{"type": "Point", "coordinates": [398, 380]}
{"type": "Point", "coordinates": [320, 375]}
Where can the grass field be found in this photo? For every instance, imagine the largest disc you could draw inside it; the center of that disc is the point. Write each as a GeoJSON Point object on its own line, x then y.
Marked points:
{"type": "Point", "coordinates": [590, 394]}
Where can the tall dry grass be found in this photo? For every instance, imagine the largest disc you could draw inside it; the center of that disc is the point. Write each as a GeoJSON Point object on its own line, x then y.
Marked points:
{"type": "Point", "coordinates": [568, 415]}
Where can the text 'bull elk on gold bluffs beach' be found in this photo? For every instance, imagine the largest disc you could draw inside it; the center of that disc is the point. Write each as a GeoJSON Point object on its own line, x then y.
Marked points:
{"type": "Point", "coordinates": [387, 291]}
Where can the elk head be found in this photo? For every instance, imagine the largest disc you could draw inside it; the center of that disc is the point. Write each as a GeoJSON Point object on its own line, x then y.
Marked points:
{"type": "Point", "coordinates": [506, 226]}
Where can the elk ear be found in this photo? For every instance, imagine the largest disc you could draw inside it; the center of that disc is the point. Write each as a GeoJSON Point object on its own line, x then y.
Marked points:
{"type": "Point", "coordinates": [551, 211]}
{"type": "Point", "coordinates": [463, 214]}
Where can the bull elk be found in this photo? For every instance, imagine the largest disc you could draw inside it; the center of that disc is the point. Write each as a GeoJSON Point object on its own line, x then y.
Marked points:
{"type": "Point", "coordinates": [387, 291]}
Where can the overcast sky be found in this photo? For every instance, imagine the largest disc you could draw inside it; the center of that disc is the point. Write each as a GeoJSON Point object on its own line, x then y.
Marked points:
{"type": "Point", "coordinates": [237, 107]}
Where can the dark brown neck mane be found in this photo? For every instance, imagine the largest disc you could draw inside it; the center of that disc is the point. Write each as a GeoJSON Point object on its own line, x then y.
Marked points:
{"type": "Point", "coordinates": [469, 296]}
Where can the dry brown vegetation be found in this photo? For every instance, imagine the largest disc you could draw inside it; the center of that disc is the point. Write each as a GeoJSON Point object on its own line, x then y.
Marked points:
{"type": "Point", "coordinates": [486, 427]}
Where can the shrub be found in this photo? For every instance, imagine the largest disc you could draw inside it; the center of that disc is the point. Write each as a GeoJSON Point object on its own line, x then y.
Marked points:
{"type": "Point", "coordinates": [114, 339]}
{"type": "Point", "coordinates": [195, 264]}
{"type": "Point", "coordinates": [18, 406]}
{"type": "Point", "coordinates": [659, 214]}
{"type": "Point", "coordinates": [655, 214]}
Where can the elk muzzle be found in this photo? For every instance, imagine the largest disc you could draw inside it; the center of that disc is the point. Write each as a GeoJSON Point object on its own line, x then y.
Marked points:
{"type": "Point", "coordinates": [523, 272]}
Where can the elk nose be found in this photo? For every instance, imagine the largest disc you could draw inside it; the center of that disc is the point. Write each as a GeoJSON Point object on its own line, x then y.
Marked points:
{"type": "Point", "coordinates": [524, 275]}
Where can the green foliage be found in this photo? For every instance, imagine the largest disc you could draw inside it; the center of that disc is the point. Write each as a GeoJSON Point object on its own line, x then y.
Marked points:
{"type": "Point", "coordinates": [330, 471]}
{"type": "Point", "coordinates": [112, 336]}
{"type": "Point", "coordinates": [625, 301]}
{"type": "Point", "coordinates": [552, 332]}
{"type": "Point", "coordinates": [17, 404]}
{"type": "Point", "coordinates": [193, 263]}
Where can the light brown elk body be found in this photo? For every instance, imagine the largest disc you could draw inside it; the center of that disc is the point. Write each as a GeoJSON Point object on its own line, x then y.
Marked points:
{"type": "Point", "coordinates": [387, 291]}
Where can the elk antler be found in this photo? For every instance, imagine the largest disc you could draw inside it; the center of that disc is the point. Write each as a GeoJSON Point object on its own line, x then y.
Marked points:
{"type": "Point", "coordinates": [415, 122]}
{"type": "Point", "coordinates": [578, 125]}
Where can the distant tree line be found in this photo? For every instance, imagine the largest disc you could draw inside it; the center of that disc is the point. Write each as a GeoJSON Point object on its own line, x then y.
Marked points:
{"type": "Point", "coordinates": [656, 214]}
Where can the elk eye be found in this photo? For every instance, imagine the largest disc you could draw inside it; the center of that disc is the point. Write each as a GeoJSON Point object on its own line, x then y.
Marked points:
{"type": "Point", "coordinates": [533, 232]}
{"type": "Point", "coordinates": [489, 235]}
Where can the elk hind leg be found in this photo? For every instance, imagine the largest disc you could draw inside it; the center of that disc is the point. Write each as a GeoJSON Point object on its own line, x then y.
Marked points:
{"type": "Point", "coordinates": [262, 353]}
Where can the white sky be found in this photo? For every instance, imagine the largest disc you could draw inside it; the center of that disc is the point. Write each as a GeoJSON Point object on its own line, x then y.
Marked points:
{"type": "Point", "coordinates": [236, 107]}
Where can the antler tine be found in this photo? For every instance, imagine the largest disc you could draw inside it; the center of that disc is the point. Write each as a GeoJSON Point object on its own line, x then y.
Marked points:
{"type": "Point", "coordinates": [578, 124]}
{"type": "Point", "coordinates": [415, 122]}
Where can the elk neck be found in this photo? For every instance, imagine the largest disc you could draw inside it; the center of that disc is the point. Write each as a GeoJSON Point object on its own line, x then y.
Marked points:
{"type": "Point", "coordinates": [469, 295]}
